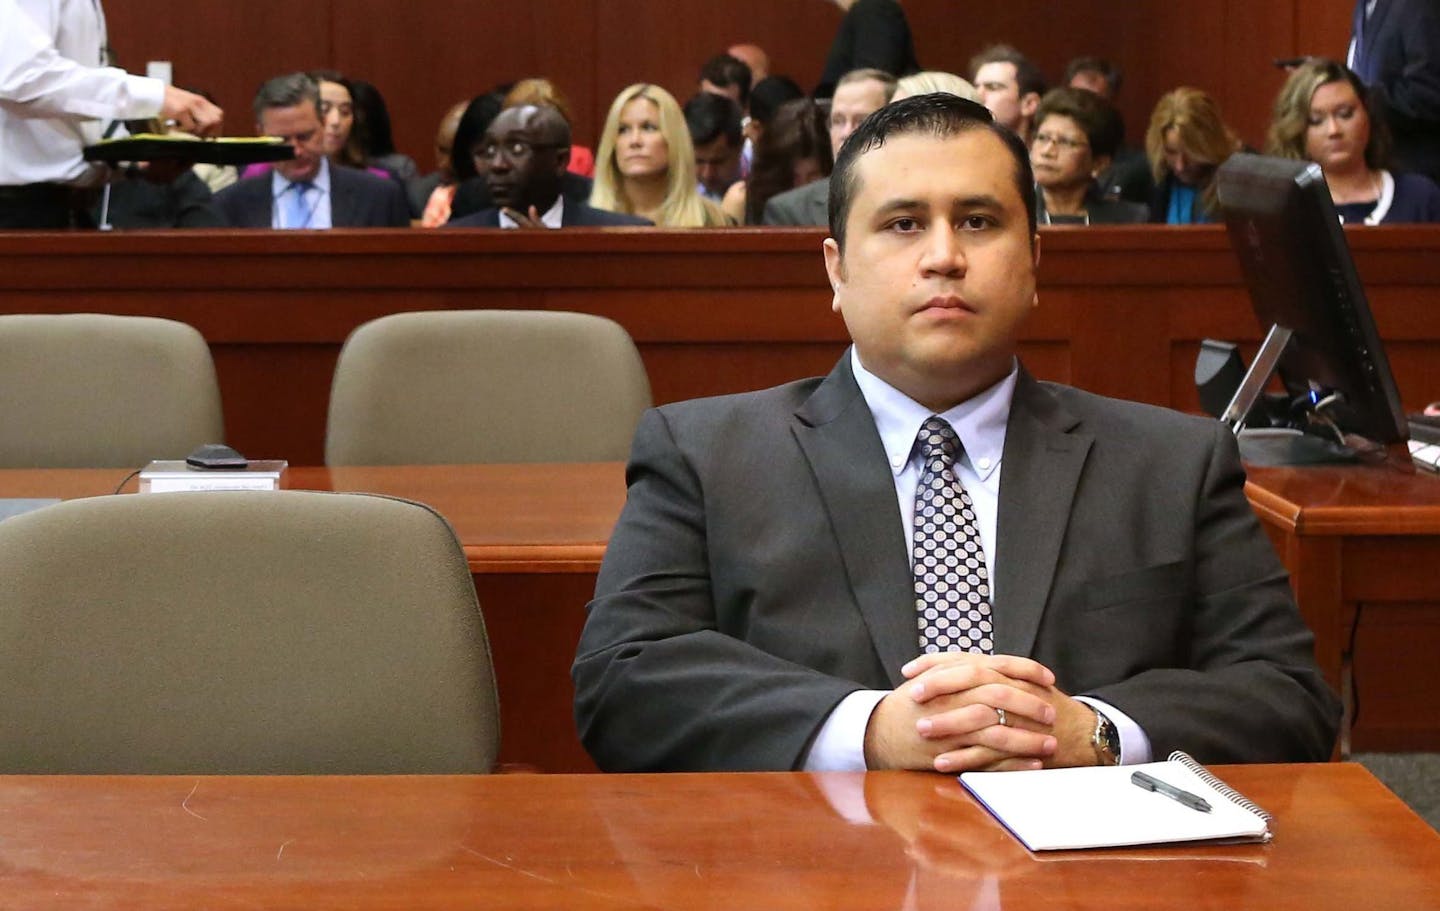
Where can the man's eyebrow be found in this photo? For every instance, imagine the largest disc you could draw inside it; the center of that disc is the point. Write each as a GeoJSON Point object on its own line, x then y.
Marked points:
{"type": "Point", "coordinates": [980, 201]}
{"type": "Point", "coordinates": [898, 205]}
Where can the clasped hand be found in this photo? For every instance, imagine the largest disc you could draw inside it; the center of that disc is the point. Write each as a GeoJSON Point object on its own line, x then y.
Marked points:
{"type": "Point", "coordinates": [947, 716]}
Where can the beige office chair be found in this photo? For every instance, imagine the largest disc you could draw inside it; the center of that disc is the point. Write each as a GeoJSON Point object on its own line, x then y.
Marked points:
{"type": "Point", "coordinates": [241, 632]}
{"type": "Point", "coordinates": [84, 390]}
{"type": "Point", "coordinates": [452, 387]}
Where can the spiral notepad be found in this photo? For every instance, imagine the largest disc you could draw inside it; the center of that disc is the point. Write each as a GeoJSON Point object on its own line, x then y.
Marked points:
{"type": "Point", "coordinates": [1059, 809]}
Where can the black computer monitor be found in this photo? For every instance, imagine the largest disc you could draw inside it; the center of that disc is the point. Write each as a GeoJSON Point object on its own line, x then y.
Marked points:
{"type": "Point", "coordinates": [1292, 251]}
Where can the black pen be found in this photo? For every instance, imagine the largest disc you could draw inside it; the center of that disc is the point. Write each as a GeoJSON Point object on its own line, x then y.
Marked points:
{"type": "Point", "coordinates": [1150, 783]}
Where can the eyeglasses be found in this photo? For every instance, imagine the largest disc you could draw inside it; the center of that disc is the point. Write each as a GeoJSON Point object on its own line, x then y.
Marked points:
{"type": "Point", "coordinates": [511, 149]}
{"type": "Point", "coordinates": [1064, 142]}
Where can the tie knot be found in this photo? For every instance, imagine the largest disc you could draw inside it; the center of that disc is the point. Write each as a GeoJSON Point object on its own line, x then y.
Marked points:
{"type": "Point", "coordinates": [301, 186]}
{"type": "Point", "coordinates": [937, 438]}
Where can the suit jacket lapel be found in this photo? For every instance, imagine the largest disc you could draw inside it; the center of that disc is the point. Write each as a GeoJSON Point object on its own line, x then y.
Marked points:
{"type": "Point", "coordinates": [1040, 470]}
{"type": "Point", "coordinates": [837, 434]}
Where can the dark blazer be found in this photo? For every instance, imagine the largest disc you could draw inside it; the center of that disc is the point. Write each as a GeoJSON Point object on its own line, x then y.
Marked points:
{"type": "Point", "coordinates": [357, 200]}
{"type": "Point", "coordinates": [1397, 54]}
{"type": "Point", "coordinates": [873, 34]}
{"type": "Point", "coordinates": [759, 573]}
{"type": "Point", "coordinates": [807, 205]}
{"type": "Point", "coordinates": [474, 194]}
{"type": "Point", "coordinates": [574, 215]}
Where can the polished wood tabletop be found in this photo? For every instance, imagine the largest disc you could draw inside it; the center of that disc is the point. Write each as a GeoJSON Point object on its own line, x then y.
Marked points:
{"type": "Point", "coordinates": [722, 841]}
{"type": "Point", "coordinates": [542, 517]}
{"type": "Point", "coordinates": [1387, 498]}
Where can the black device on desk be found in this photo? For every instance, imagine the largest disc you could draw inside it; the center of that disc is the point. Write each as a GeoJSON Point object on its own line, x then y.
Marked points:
{"type": "Point", "coordinates": [1340, 396]}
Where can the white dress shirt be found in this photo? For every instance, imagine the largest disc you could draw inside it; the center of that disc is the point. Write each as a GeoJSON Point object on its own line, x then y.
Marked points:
{"type": "Point", "coordinates": [56, 94]}
{"type": "Point", "coordinates": [317, 201]}
{"type": "Point", "coordinates": [980, 423]}
{"type": "Point", "coordinates": [554, 216]}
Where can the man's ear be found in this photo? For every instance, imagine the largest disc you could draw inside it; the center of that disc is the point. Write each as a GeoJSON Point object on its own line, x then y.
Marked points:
{"type": "Point", "coordinates": [835, 270]}
{"type": "Point", "coordinates": [1029, 104]}
{"type": "Point", "coordinates": [562, 160]}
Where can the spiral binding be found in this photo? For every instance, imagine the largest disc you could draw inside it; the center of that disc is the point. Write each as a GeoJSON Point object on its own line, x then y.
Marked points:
{"type": "Point", "coordinates": [1229, 793]}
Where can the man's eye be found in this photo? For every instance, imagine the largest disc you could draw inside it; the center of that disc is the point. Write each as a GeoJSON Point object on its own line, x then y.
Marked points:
{"type": "Point", "coordinates": [976, 222]}
{"type": "Point", "coordinates": [905, 225]}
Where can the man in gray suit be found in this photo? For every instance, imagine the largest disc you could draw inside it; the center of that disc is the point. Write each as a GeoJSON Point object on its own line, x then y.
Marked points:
{"type": "Point", "coordinates": [758, 607]}
{"type": "Point", "coordinates": [858, 94]}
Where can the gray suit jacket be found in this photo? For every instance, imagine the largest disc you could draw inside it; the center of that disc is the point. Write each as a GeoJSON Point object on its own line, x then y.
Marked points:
{"type": "Point", "coordinates": [807, 205]}
{"type": "Point", "coordinates": [759, 573]}
{"type": "Point", "coordinates": [357, 200]}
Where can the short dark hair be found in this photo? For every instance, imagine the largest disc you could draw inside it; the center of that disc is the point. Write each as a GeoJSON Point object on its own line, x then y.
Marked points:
{"type": "Point", "coordinates": [1112, 73]}
{"type": "Point", "coordinates": [711, 116]}
{"type": "Point", "coordinates": [771, 92]}
{"type": "Point", "coordinates": [1027, 75]}
{"type": "Point", "coordinates": [723, 71]}
{"type": "Point", "coordinates": [1091, 112]}
{"type": "Point", "coordinates": [939, 114]}
{"type": "Point", "coordinates": [286, 92]}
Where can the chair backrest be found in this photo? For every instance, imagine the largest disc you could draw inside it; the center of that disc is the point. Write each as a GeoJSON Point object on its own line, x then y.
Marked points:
{"type": "Point", "coordinates": [86, 390]}
{"type": "Point", "coordinates": [454, 387]}
{"type": "Point", "coordinates": [241, 632]}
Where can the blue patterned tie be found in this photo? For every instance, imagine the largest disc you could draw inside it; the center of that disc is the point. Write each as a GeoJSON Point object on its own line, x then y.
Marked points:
{"type": "Point", "coordinates": [952, 586]}
{"type": "Point", "coordinates": [297, 212]}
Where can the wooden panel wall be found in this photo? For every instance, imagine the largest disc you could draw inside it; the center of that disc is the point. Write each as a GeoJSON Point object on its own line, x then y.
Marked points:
{"type": "Point", "coordinates": [426, 54]}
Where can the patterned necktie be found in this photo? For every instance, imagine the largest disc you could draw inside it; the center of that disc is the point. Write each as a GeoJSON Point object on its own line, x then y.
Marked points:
{"type": "Point", "coordinates": [952, 586]}
{"type": "Point", "coordinates": [297, 211]}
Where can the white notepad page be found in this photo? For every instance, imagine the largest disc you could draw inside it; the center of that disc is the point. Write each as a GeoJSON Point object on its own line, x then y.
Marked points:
{"type": "Point", "coordinates": [1099, 807]}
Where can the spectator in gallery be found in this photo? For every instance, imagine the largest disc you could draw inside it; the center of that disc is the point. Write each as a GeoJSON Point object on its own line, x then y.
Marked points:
{"type": "Point", "coordinates": [754, 57]}
{"type": "Point", "coordinates": [543, 92]}
{"type": "Point", "coordinates": [373, 135]}
{"type": "Point", "coordinates": [1325, 114]}
{"type": "Point", "coordinates": [934, 81]}
{"type": "Point", "coordinates": [1128, 176]}
{"type": "Point", "coordinates": [526, 152]}
{"type": "Point", "coordinates": [728, 76]}
{"type": "Point", "coordinates": [1010, 86]}
{"type": "Point", "coordinates": [1186, 142]}
{"type": "Point", "coordinates": [1076, 135]}
{"type": "Point", "coordinates": [1395, 50]}
{"type": "Point", "coordinates": [793, 152]}
{"type": "Point", "coordinates": [433, 193]}
{"type": "Point", "coordinates": [718, 134]}
{"type": "Point", "coordinates": [765, 99]}
{"type": "Point", "coordinates": [307, 191]}
{"type": "Point", "coordinates": [645, 163]}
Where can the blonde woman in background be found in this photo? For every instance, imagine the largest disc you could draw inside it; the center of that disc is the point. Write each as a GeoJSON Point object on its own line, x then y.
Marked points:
{"type": "Point", "coordinates": [645, 164]}
{"type": "Point", "coordinates": [1323, 114]}
{"type": "Point", "coordinates": [1187, 140]}
{"type": "Point", "coordinates": [934, 81]}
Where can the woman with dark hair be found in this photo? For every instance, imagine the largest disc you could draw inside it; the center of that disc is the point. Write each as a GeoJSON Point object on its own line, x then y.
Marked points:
{"type": "Point", "coordinates": [471, 195]}
{"type": "Point", "coordinates": [372, 133]}
{"type": "Point", "coordinates": [1077, 133]}
{"type": "Point", "coordinates": [793, 151]}
{"type": "Point", "coordinates": [1324, 114]}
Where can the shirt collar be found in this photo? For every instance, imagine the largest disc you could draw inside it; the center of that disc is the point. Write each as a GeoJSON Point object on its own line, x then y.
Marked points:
{"type": "Point", "coordinates": [554, 216]}
{"type": "Point", "coordinates": [279, 184]}
{"type": "Point", "coordinates": [979, 421]}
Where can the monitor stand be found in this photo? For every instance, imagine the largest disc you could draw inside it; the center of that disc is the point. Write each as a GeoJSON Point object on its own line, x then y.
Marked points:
{"type": "Point", "coordinates": [1276, 446]}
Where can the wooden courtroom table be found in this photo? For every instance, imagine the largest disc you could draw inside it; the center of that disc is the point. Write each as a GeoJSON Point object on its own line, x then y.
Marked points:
{"type": "Point", "coordinates": [533, 536]}
{"type": "Point", "coordinates": [773, 841]}
{"type": "Point", "coordinates": [1365, 538]}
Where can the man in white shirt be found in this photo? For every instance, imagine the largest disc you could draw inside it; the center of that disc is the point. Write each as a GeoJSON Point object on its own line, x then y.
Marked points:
{"type": "Point", "coordinates": [929, 559]}
{"type": "Point", "coordinates": [57, 96]}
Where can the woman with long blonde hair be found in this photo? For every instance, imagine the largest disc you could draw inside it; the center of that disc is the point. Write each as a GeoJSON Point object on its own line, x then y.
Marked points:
{"type": "Point", "coordinates": [1186, 142]}
{"type": "Point", "coordinates": [645, 164]}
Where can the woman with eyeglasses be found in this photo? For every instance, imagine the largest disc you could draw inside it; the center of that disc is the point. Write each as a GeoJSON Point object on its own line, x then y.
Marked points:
{"type": "Point", "coordinates": [1323, 114]}
{"type": "Point", "coordinates": [1076, 135]}
{"type": "Point", "coordinates": [645, 164]}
